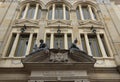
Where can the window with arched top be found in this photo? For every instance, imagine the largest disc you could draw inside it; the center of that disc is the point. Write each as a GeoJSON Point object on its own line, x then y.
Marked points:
{"type": "Point", "coordinates": [85, 12]}
{"type": "Point", "coordinates": [30, 11]}
{"type": "Point", "coordinates": [58, 11]}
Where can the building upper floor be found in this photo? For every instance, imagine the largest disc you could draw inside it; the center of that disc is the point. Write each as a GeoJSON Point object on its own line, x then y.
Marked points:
{"type": "Point", "coordinates": [75, 19]}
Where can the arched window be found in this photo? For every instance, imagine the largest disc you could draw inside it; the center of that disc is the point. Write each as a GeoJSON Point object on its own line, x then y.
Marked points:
{"type": "Point", "coordinates": [50, 13]}
{"type": "Point", "coordinates": [39, 13]}
{"type": "Point", "coordinates": [78, 13]}
{"type": "Point", "coordinates": [67, 13]}
{"type": "Point", "coordinates": [85, 12]}
{"type": "Point", "coordinates": [31, 11]}
{"type": "Point", "coordinates": [58, 11]}
{"type": "Point", "coordinates": [22, 12]}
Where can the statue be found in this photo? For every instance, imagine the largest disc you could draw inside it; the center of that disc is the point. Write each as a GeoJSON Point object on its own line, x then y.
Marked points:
{"type": "Point", "coordinates": [42, 44]}
{"type": "Point", "coordinates": [74, 46]}
{"type": "Point", "coordinates": [42, 47]}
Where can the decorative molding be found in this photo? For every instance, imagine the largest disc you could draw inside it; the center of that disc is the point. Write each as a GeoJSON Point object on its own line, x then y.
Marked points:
{"type": "Point", "coordinates": [59, 57]}
{"type": "Point", "coordinates": [28, 30]}
{"type": "Point", "coordinates": [62, 23]}
{"type": "Point", "coordinates": [89, 23]}
{"type": "Point", "coordinates": [27, 22]}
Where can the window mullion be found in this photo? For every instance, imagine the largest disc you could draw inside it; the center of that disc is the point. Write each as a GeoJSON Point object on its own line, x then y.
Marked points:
{"type": "Point", "coordinates": [81, 13]}
{"type": "Point", "coordinates": [52, 40]}
{"type": "Point", "coordinates": [29, 44]}
{"type": "Point", "coordinates": [14, 45]}
{"type": "Point", "coordinates": [66, 41]}
{"type": "Point", "coordinates": [88, 45]}
{"type": "Point", "coordinates": [91, 13]}
{"type": "Point", "coordinates": [53, 12]}
{"type": "Point", "coordinates": [36, 11]}
{"type": "Point", "coordinates": [64, 10]}
{"type": "Point", "coordinates": [101, 46]}
{"type": "Point", "coordinates": [26, 11]}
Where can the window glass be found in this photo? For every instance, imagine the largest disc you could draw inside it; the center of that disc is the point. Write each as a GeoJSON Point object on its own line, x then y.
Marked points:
{"type": "Point", "coordinates": [48, 40]}
{"type": "Point", "coordinates": [86, 12]}
{"type": "Point", "coordinates": [83, 43]}
{"type": "Point", "coordinates": [69, 40]}
{"type": "Point", "coordinates": [33, 43]}
{"type": "Point", "coordinates": [59, 41]}
{"type": "Point", "coordinates": [22, 45]}
{"type": "Point", "coordinates": [11, 44]}
{"type": "Point", "coordinates": [78, 13]}
{"type": "Point", "coordinates": [39, 13]}
{"type": "Point", "coordinates": [94, 46]}
{"type": "Point", "coordinates": [50, 13]}
{"type": "Point", "coordinates": [31, 12]}
{"type": "Point", "coordinates": [22, 12]}
{"type": "Point", "coordinates": [58, 12]}
{"type": "Point", "coordinates": [67, 13]}
{"type": "Point", "coordinates": [94, 14]}
{"type": "Point", "coordinates": [104, 44]}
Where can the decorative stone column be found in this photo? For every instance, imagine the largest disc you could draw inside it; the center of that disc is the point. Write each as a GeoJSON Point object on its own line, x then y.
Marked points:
{"type": "Point", "coordinates": [91, 13]}
{"type": "Point", "coordinates": [52, 40]}
{"type": "Point", "coordinates": [88, 45]}
{"type": "Point", "coordinates": [29, 44]}
{"type": "Point", "coordinates": [101, 46]}
{"type": "Point", "coordinates": [26, 10]}
{"type": "Point", "coordinates": [12, 53]}
{"type": "Point", "coordinates": [65, 41]}
{"type": "Point", "coordinates": [64, 14]}
{"type": "Point", "coordinates": [81, 13]}
{"type": "Point", "coordinates": [53, 11]}
{"type": "Point", "coordinates": [36, 11]}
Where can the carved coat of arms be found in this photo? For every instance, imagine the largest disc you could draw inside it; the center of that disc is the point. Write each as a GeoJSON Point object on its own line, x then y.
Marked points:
{"type": "Point", "coordinates": [59, 57]}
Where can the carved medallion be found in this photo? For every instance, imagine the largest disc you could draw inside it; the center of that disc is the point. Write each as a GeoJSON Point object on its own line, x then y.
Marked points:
{"type": "Point", "coordinates": [59, 57]}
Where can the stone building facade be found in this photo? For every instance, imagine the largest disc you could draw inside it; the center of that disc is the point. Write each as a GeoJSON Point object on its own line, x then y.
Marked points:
{"type": "Point", "coordinates": [94, 23]}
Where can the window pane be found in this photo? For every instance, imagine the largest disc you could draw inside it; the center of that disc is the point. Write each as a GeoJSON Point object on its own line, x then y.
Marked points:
{"type": "Point", "coordinates": [69, 40]}
{"type": "Point", "coordinates": [22, 45]}
{"type": "Point", "coordinates": [22, 13]}
{"type": "Point", "coordinates": [67, 14]}
{"type": "Point", "coordinates": [33, 43]}
{"type": "Point", "coordinates": [78, 13]}
{"type": "Point", "coordinates": [86, 13]}
{"type": "Point", "coordinates": [59, 41]}
{"type": "Point", "coordinates": [39, 13]}
{"type": "Point", "coordinates": [48, 40]}
{"type": "Point", "coordinates": [31, 11]}
{"type": "Point", "coordinates": [50, 13]}
{"type": "Point", "coordinates": [83, 43]}
{"type": "Point", "coordinates": [58, 12]}
{"type": "Point", "coordinates": [93, 11]}
{"type": "Point", "coordinates": [104, 44]}
{"type": "Point", "coordinates": [94, 46]}
{"type": "Point", "coordinates": [11, 44]}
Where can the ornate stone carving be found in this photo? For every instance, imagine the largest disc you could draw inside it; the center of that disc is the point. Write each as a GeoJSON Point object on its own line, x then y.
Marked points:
{"type": "Point", "coordinates": [22, 22]}
{"type": "Point", "coordinates": [89, 23]}
{"type": "Point", "coordinates": [62, 23]}
{"type": "Point", "coordinates": [59, 57]}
